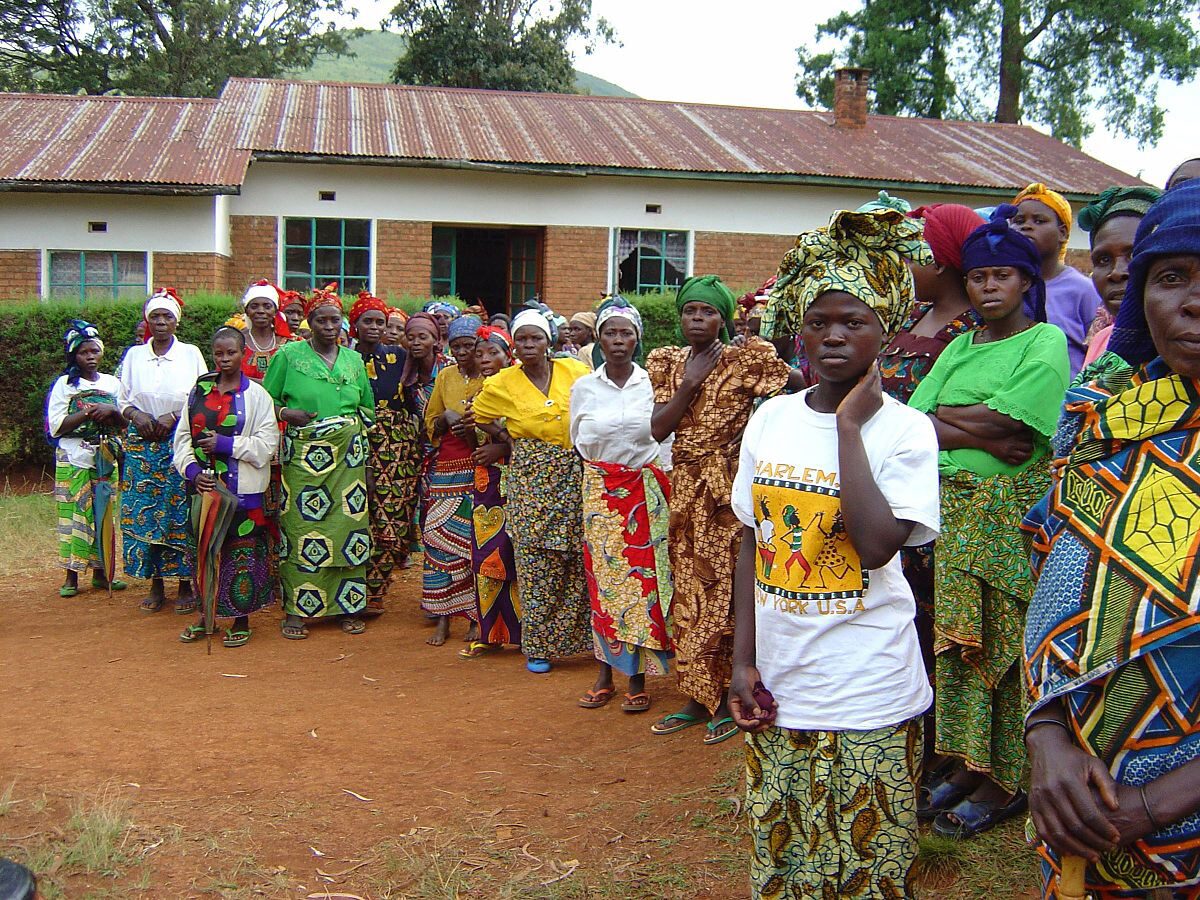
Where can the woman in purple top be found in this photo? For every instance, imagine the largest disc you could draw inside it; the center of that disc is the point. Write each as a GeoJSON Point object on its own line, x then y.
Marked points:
{"type": "Point", "coordinates": [1044, 216]}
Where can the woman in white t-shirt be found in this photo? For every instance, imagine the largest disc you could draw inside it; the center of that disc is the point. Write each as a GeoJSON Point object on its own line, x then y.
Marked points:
{"type": "Point", "coordinates": [827, 671]}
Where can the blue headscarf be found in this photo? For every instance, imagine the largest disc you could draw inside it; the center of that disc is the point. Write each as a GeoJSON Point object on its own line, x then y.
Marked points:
{"type": "Point", "coordinates": [78, 333]}
{"type": "Point", "coordinates": [464, 326]}
{"type": "Point", "coordinates": [996, 243]}
{"type": "Point", "coordinates": [1170, 226]}
{"type": "Point", "coordinates": [441, 306]}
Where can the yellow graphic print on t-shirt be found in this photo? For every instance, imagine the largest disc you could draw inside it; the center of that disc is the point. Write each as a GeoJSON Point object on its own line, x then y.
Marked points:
{"type": "Point", "coordinates": [803, 550]}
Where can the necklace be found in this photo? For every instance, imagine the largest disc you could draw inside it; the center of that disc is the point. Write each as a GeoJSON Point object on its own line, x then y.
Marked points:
{"type": "Point", "coordinates": [329, 360]}
{"type": "Point", "coordinates": [988, 339]}
{"type": "Point", "coordinates": [254, 344]}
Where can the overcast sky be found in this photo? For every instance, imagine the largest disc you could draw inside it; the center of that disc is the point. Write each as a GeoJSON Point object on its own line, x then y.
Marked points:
{"type": "Point", "coordinates": [744, 53]}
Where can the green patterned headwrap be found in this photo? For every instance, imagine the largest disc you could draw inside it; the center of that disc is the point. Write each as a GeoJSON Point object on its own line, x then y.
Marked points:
{"type": "Point", "coordinates": [1117, 201]}
{"type": "Point", "coordinates": [711, 290]}
{"type": "Point", "coordinates": [861, 253]}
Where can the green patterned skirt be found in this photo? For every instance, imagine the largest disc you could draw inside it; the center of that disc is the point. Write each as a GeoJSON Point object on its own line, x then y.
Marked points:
{"type": "Point", "coordinates": [324, 519]}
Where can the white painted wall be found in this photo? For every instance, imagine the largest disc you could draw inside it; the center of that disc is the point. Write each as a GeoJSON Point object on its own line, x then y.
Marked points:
{"type": "Point", "coordinates": [60, 222]}
{"type": "Point", "coordinates": [476, 198]}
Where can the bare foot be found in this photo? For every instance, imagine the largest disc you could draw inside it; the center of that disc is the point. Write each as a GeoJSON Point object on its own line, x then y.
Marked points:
{"type": "Point", "coordinates": [472, 633]}
{"type": "Point", "coordinates": [440, 633]}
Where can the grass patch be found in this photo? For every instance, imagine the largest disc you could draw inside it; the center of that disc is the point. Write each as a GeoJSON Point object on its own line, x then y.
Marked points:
{"type": "Point", "coordinates": [27, 532]}
{"type": "Point", "coordinates": [997, 864]}
{"type": "Point", "coordinates": [6, 799]}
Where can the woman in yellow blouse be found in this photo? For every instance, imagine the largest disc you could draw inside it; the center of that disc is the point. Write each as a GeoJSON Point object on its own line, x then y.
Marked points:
{"type": "Point", "coordinates": [448, 583]}
{"type": "Point", "coordinates": [545, 512]}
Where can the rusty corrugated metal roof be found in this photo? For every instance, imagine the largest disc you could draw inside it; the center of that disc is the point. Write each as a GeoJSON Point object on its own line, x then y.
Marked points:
{"type": "Point", "coordinates": [116, 140]}
{"type": "Point", "coordinates": [400, 122]}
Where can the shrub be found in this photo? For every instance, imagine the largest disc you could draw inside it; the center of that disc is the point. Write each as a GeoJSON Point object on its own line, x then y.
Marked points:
{"type": "Point", "coordinates": [660, 321]}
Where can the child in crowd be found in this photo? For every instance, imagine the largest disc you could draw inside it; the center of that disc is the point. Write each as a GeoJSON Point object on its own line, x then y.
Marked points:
{"type": "Point", "coordinates": [827, 671]}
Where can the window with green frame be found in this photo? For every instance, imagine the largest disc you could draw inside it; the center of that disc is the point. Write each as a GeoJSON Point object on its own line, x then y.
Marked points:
{"type": "Point", "coordinates": [97, 274]}
{"type": "Point", "coordinates": [522, 268]}
{"type": "Point", "coordinates": [649, 260]}
{"type": "Point", "coordinates": [443, 272]}
{"type": "Point", "coordinates": [317, 252]}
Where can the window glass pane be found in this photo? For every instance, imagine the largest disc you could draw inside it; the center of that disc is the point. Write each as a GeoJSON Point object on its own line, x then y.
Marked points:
{"type": "Point", "coordinates": [132, 292]}
{"type": "Point", "coordinates": [298, 261]}
{"type": "Point", "coordinates": [358, 232]}
{"type": "Point", "coordinates": [131, 269]}
{"type": "Point", "coordinates": [357, 262]}
{"type": "Point", "coordinates": [531, 270]}
{"type": "Point", "coordinates": [677, 245]}
{"type": "Point", "coordinates": [297, 231]}
{"type": "Point", "coordinates": [443, 241]}
{"type": "Point", "coordinates": [650, 271]}
{"type": "Point", "coordinates": [297, 283]}
{"type": "Point", "coordinates": [329, 232]}
{"type": "Point", "coordinates": [440, 269]}
{"type": "Point", "coordinates": [65, 291]}
{"type": "Point", "coordinates": [673, 277]}
{"type": "Point", "coordinates": [98, 292]}
{"type": "Point", "coordinates": [440, 288]}
{"type": "Point", "coordinates": [352, 285]}
{"type": "Point", "coordinates": [64, 267]}
{"type": "Point", "coordinates": [98, 268]}
{"type": "Point", "coordinates": [329, 261]}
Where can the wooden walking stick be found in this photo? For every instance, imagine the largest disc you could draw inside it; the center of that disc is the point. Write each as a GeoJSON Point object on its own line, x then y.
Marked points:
{"type": "Point", "coordinates": [1071, 881]}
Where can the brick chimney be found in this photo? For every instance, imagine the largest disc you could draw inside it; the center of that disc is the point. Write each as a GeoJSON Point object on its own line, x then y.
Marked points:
{"type": "Point", "coordinates": [850, 97]}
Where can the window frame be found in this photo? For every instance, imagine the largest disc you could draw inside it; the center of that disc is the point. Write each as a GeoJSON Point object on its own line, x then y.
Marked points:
{"type": "Point", "coordinates": [642, 287]}
{"type": "Point", "coordinates": [452, 281]}
{"type": "Point", "coordinates": [81, 287]}
{"type": "Point", "coordinates": [316, 280]}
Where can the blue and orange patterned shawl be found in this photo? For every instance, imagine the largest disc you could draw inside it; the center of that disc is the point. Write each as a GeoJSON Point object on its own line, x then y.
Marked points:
{"type": "Point", "coordinates": [1113, 629]}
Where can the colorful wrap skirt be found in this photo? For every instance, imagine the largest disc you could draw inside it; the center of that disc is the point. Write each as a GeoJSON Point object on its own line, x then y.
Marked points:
{"type": "Point", "coordinates": [325, 521]}
{"type": "Point", "coordinates": [545, 523]}
{"type": "Point", "coordinates": [448, 583]}
{"type": "Point", "coordinates": [156, 542]}
{"type": "Point", "coordinates": [493, 561]}
{"type": "Point", "coordinates": [395, 461]}
{"type": "Point", "coordinates": [74, 493]}
{"type": "Point", "coordinates": [625, 555]}
{"type": "Point", "coordinates": [244, 579]}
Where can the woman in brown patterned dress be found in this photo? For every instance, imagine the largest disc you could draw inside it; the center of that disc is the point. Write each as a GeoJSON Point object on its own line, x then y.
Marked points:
{"type": "Point", "coordinates": [704, 394]}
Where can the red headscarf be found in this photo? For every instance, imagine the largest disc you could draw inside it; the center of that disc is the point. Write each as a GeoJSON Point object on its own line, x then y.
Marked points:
{"type": "Point", "coordinates": [366, 301]}
{"type": "Point", "coordinates": [326, 296]}
{"type": "Point", "coordinates": [397, 311]}
{"type": "Point", "coordinates": [947, 227]}
{"type": "Point", "coordinates": [290, 298]}
{"type": "Point", "coordinates": [497, 336]}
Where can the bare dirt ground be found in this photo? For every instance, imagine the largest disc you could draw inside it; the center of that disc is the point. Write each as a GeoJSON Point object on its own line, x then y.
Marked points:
{"type": "Point", "coordinates": [173, 773]}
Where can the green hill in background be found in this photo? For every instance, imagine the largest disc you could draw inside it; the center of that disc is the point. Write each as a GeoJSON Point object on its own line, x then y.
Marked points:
{"type": "Point", "coordinates": [376, 53]}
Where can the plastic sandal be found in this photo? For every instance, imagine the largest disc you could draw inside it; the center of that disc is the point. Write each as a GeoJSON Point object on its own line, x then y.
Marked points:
{"type": "Point", "coordinates": [186, 608]}
{"type": "Point", "coordinates": [939, 797]}
{"type": "Point", "coordinates": [294, 632]}
{"type": "Point", "coordinates": [238, 638]}
{"type": "Point", "coordinates": [663, 726]}
{"type": "Point", "coordinates": [353, 626]}
{"type": "Point", "coordinates": [151, 604]}
{"type": "Point", "coordinates": [630, 705]}
{"type": "Point", "coordinates": [597, 699]}
{"type": "Point", "coordinates": [67, 591]}
{"type": "Point", "coordinates": [191, 634]}
{"type": "Point", "coordinates": [713, 737]}
{"type": "Point", "coordinates": [538, 666]}
{"type": "Point", "coordinates": [477, 649]}
{"type": "Point", "coordinates": [117, 585]}
{"type": "Point", "coordinates": [968, 818]}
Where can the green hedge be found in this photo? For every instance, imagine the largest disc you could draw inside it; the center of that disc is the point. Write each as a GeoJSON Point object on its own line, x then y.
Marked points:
{"type": "Point", "coordinates": [31, 348]}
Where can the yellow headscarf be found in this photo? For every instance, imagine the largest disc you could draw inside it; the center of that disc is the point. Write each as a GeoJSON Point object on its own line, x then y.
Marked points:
{"type": "Point", "coordinates": [1055, 201]}
{"type": "Point", "coordinates": [861, 253]}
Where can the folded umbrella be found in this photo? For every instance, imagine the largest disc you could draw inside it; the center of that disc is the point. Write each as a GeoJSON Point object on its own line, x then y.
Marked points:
{"type": "Point", "coordinates": [212, 512]}
{"type": "Point", "coordinates": [104, 509]}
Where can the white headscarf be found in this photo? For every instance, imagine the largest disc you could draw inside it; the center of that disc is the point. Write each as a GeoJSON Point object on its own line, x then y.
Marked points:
{"type": "Point", "coordinates": [261, 290]}
{"type": "Point", "coordinates": [164, 298]}
{"type": "Point", "coordinates": [536, 319]}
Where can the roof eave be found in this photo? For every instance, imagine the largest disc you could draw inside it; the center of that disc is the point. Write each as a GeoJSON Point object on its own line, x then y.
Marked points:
{"type": "Point", "coordinates": [19, 186]}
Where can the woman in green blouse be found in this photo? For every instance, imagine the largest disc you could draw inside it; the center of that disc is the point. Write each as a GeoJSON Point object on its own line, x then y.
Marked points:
{"type": "Point", "coordinates": [322, 393]}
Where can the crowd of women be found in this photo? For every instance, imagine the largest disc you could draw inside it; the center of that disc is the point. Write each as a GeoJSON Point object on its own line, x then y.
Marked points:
{"type": "Point", "coordinates": [818, 512]}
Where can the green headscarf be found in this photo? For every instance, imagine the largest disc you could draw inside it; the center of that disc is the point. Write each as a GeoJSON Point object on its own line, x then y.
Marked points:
{"type": "Point", "coordinates": [711, 290]}
{"type": "Point", "coordinates": [886, 201]}
{"type": "Point", "coordinates": [1117, 201]}
{"type": "Point", "coordinates": [860, 253]}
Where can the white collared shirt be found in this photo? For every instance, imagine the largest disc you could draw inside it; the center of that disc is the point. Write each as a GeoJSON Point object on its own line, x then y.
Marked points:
{"type": "Point", "coordinates": [612, 424]}
{"type": "Point", "coordinates": [78, 451]}
{"type": "Point", "coordinates": [159, 384]}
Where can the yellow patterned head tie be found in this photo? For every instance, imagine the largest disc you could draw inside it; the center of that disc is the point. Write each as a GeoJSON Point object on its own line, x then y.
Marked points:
{"type": "Point", "coordinates": [861, 253]}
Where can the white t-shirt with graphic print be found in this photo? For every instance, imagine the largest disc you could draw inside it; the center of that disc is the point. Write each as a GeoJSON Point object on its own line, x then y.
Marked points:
{"type": "Point", "coordinates": [836, 645]}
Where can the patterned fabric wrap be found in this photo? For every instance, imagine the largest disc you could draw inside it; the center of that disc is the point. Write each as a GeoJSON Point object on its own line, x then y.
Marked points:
{"type": "Point", "coordinates": [997, 243]}
{"type": "Point", "coordinates": [78, 333]}
{"type": "Point", "coordinates": [546, 525]}
{"type": "Point", "coordinates": [909, 357]}
{"type": "Point", "coordinates": [74, 494]}
{"type": "Point", "coordinates": [833, 813]}
{"type": "Point", "coordinates": [1117, 201]}
{"type": "Point", "coordinates": [983, 589]}
{"type": "Point", "coordinates": [492, 559]}
{"type": "Point", "coordinates": [395, 462]}
{"type": "Point", "coordinates": [326, 538]}
{"type": "Point", "coordinates": [1114, 626]}
{"type": "Point", "coordinates": [625, 517]}
{"type": "Point", "coordinates": [1053, 199]}
{"type": "Point", "coordinates": [860, 253]}
{"type": "Point", "coordinates": [447, 582]}
{"type": "Point", "coordinates": [154, 511]}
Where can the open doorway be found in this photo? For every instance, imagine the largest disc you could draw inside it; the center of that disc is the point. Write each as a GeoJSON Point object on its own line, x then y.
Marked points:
{"type": "Point", "coordinates": [498, 268]}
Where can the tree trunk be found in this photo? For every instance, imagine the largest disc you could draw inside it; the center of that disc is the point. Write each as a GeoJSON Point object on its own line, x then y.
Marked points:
{"type": "Point", "coordinates": [1012, 54]}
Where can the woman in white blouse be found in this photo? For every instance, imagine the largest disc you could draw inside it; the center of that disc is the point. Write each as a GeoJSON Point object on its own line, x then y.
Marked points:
{"type": "Point", "coordinates": [229, 435]}
{"type": "Point", "coordinates": [156, 378]}
{"type": "Point", "coordinates": [624, 514]}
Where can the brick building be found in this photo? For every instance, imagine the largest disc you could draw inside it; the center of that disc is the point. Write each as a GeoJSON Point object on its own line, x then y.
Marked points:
{"type": "Point", "coordinates": [490, 195]}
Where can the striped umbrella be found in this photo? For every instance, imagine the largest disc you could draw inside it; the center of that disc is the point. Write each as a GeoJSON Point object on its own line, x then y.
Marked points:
{"type": "Point", "coordinates": [212, 512]}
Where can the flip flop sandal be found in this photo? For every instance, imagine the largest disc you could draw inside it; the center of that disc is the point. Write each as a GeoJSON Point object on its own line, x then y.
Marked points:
{"type": "Point", "coordinates": [715, 736]}
{"type": "Point", "coordinates": [294, 632]}
{"type": "Point", "coordinates": [940, 796]}
{"type": "Point", "coordinates": [636, 703]}
{"type": "Point", "coordinates": [597, 699]}
{"type": "Point", "coordinates": [191, 634]}
{"type": "Point", "coordinates": [353, 626]}
{"type": "Point", "coordinates": [152, 604]}
{"type": "Point", "coordinates": [477, 649]}
{"type": "Point", "coordinates": [969, 818]}
{"type": "Point", "coordinates": [663, 727]}
{"type": "Point", "coordinates": [67, 591]}
{"type": "Point", "coordinates": [117, 585]}
{"type": "Point", "coordinates": [238, 638]}
{"type": "Point", "coordinates": [538, 666]}
{"type": "Point", "coordinates": [186, 608]}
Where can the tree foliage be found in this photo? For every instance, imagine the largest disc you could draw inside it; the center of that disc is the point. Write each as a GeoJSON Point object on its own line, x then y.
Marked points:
{"type": "Point", "coordinates": [518, 45]}
{"type": "Point", "coordinates": [1051, 62]}
{"type": "Point", "coordinates": [159, 47]}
